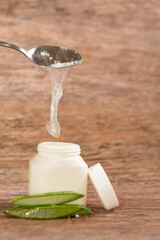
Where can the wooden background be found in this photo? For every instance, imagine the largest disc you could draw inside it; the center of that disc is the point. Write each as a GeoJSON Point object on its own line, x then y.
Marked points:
{"type": "Point", "coordinates": [110, 106]}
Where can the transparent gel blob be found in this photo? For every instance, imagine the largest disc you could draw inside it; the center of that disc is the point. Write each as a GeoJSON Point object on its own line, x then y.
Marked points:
{"type": "Point", "coordinates": [57, 76]}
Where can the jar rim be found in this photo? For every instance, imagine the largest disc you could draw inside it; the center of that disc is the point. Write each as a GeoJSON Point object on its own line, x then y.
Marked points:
{"type": "Point", "coordinates": [58, 146]}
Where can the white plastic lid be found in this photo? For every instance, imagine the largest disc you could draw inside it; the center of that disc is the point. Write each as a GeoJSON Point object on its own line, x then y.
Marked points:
{"type": "Point", "coordinates": [103, 186]}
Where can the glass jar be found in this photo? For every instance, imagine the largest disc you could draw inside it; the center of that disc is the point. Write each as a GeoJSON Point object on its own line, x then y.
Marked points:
{"type": "Point", "coordinates": [58, 167]}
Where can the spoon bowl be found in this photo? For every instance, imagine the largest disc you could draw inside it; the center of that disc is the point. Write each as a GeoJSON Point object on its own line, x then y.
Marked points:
{"type": "Point", "coordinates": [49, 56]}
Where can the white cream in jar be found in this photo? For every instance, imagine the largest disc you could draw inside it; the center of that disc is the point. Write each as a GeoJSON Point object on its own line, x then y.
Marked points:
{"type": "Point", "coordinates": [58, 167]}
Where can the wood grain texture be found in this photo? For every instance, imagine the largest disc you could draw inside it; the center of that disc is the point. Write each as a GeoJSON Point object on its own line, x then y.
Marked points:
{"type": "Point", "coordinates": [110, 106]}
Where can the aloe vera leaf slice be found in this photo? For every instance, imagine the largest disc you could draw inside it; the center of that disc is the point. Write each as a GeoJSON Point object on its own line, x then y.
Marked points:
{"type": "Point", "coordinates": [85, 211]}
{"type": "Point", "coordinates": [44, 212]}
{"type": "Point", "coordinates": [45, 199]}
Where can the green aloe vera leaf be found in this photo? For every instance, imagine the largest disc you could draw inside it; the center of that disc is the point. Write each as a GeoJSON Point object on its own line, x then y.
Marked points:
{"type": "Point", "coordinates": [45, 199]}
{"type": "Point", "coordinates": [44, 212]}
{"type": "Point", "coordinates": [85, 211]}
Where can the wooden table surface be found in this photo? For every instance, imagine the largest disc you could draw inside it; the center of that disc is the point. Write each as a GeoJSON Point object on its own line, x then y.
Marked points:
{"type": "Point", "coordinates": [110, 106]}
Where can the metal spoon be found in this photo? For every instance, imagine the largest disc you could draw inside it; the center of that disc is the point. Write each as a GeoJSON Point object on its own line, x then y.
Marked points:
{"type": "Point", "coordinates": [49, 56]}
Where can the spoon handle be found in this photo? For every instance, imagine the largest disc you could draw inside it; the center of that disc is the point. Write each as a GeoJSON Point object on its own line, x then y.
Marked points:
{"type": "Point", "coordinates": [10, 45]}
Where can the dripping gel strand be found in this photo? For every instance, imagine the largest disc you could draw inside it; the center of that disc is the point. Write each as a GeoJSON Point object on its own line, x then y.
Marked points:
{"type": "Point", "coordinates": [57, 76]}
